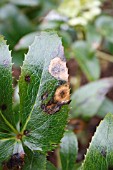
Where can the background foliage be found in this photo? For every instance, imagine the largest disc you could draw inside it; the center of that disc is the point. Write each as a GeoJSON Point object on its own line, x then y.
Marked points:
{"type": "Point", "coordinates": [86, 28]}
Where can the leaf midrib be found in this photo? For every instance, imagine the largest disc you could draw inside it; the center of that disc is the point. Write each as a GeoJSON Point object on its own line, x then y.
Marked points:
{"type": "Point", "coordinates": [8, 123]}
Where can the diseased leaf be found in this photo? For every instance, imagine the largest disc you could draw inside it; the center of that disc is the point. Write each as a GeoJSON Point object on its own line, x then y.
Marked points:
{"type": "Point", "coordinates": [100, 153]}
{"type": "Point", "coordinates": [87, 100]}
{"type": "Point", "coordinates": [68, 150]}
{"type": "Point", "coordinates": [44, 93]}
{"type": "Point", "coordinates": [87, 60]}
{"type": "Point", "coordinates": [50, 166]}
{"type": "Point", "coordinates": [34, 161]}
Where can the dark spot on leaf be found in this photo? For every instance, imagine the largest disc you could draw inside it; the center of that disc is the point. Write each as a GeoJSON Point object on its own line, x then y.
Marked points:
{"type": "Point", "coordinates": [51, 108]}
{"type": "Point", "coordinates": [3, 107]}
{"type": "Point", "coordinates": [44, 96]}
{"type": "Point", "coordinates": [62, 94]}
{"type": "Point", "coordinates": [61, 82]}
{"type": "Point", "coordinates": [6, 63]}
{"type": "Point", "coordinates": [42, 106]}
{"type": "Point", "coordinates": [26, 132]}
{"type": "Point", "coordinates": [27, 78]}
{"type": "Point", "coordinates": [16, 162]}
{"type": "Point", "coordinates": [103, 152]}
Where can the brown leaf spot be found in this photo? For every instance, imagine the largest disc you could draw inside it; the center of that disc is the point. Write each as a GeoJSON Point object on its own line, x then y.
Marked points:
{"type": "Point", "coordinates": [58, 69]}
{"type": "Point", "coordinates": [62, 94]}
{"type": "Point", "coordinates": [51, 108]}
{"type": "Point", "coordinates": [27, 78]}
{"type": "Point", "coordinates": [61, 97]}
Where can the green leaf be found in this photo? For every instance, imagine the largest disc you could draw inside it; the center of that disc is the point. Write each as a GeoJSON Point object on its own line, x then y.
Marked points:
{"type": "Point", "coordinates": [104, 25]}
{"type": "Point", "coordinates": [26, 41]}
{"type": "Point", "coordinates": [87, 60]}
{"type": "Point", "coordinates": [34, 160]}
{"type": "Point", "coordinates": [68, 150]}
{"type": "Point", "coordinates": [93, 36]}
{"type": "Point", "coordinates": [87, 100]}
{"type": "Point", "coordinates": [66, 39]}
{"type": "Point", "coordinates": [43, 76]}
{"type": "Point", "coordinates": [100, 152]}
{"type": "Point", "coordinates": [8, 143]}
{"type": "Point", "coordinates": [12, 26]}
{"type": "Point", "coordinates": [25, 2]}
{"type": "Point", "coordinates": [6, 115]}
{"type": "Point", "coordinates": [106, 107]}
{"type": "Point", "coordinates": [50, 166]}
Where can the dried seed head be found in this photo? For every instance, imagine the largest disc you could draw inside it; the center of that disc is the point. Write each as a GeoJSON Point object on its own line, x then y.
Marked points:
{"type": "Point", "coordinates": [62, 94]}
{"type": "Point", "coordinates": [58, 69]}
